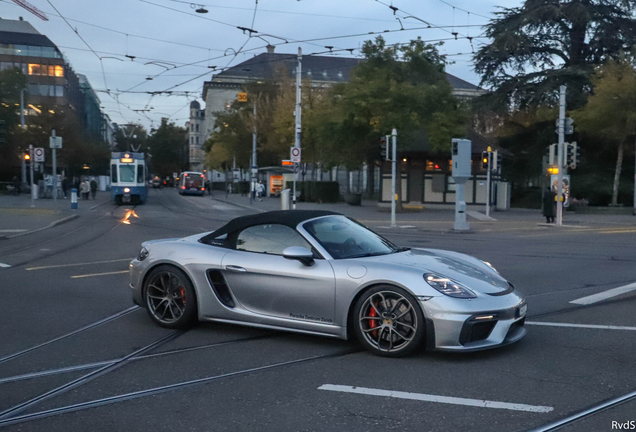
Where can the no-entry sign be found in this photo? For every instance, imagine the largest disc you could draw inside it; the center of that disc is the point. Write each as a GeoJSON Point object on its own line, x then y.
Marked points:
{"type": "Point", "coordinates": [294, 154]}
{"type": "Point", "coordinates": [38, 154]}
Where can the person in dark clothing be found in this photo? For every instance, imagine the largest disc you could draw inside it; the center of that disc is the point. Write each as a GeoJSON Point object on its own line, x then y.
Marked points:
{"type": "Point", "coordinates": [93, 188]}
{"type": "Point", "coordinates": [65, 186]}
{"type": "Point", "coordinates": [549, 205]}
{"type": "Point", "coordinates": [16, 185]}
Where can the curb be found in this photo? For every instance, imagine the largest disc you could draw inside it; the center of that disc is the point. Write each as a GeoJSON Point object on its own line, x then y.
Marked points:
{"type": "Point", "coordinates": [51, 225]}
{"type": "Point", "coordinates": [240, 205]}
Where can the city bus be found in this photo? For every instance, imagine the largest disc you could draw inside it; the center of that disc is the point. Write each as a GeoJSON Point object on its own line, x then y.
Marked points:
{"type": "Point", "coordinates": [191, 183]}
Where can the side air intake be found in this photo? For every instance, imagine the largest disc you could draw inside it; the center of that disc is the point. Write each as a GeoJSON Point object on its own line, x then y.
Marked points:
{"type": "Point", "coordinates": [220, 288]}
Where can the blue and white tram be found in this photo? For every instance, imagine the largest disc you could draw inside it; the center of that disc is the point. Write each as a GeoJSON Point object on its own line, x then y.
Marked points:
{"type": "Point", "coordinates": [128, 178]}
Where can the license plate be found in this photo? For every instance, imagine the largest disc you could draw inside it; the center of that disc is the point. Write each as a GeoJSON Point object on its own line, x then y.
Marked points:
{"type": "Point", "coordinates": [194, 189]}
{"type": "Point", "coordinates": [126, 198]}
{"type": "Point", "coordinates": [522, 310]}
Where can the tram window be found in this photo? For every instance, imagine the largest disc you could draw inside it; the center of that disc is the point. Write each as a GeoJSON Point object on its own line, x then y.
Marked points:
{"type": "Point", "coordinates": [140, 173]}
{"type": "Point", "coordinates": [113, 173]}
{"type": "Point", "coordinates": [127, 173]}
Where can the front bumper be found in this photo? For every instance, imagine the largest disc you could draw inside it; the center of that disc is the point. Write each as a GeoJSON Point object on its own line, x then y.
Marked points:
{"type": "Point", "coordinates": [135, 278]}
{"type": "Point", "coordinates": [473, 325]}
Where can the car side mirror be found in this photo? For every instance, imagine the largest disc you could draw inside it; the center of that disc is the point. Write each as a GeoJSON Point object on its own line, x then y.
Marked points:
{"type": "Point", "coordinates": [299, 253]}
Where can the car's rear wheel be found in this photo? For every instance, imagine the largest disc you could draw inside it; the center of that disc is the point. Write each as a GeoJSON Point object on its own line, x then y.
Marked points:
{"type": "Point", "coordinates": [388, 321]}
{"type": "Point", "coordinates": [169, 297]}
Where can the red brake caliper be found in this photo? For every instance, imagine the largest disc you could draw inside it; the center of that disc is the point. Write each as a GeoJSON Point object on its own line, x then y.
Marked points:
{"type": "Point", "coordinates": [372, 323]}
{"type": "Point", "coordinates": [182, 293]}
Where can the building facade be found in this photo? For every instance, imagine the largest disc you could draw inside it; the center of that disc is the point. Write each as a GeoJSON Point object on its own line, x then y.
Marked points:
{"type": "Point", "coordinates": [51, 81]}
{"type": "Point", "coordinates": [196, 137]}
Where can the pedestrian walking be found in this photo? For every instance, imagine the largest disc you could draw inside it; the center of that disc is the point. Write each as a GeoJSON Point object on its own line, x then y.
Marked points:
{"type": "Point", "coordinates": [549, 205]}
{"type": "Point", "coordinates": [93, 188]}
{"type": "Point", "coordinates": [261, 190]}
{"type": "Point", "coordinates": [16, 185]}
{"type": "Point", "coordinates": [85, 189]}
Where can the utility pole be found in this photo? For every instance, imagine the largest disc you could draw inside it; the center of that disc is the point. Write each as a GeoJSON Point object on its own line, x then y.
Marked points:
{"type": "Point", "coordinates": [393, 175]}
{"type": "Point", "coordinates": [24, 174]}
{"type": "Point", "coordinates": [32, 185]}
{"type": "Point", "coordinates": [298, 114]}
{"type": "Point", "coordinates": [254, 165]}
{"type": "Point", "coordinates": [54, 169]}
{"type": "Point", "coordinates": [560, 155]}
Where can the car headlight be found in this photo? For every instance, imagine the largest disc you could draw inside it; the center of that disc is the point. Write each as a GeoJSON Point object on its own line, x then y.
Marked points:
{"type": "Point", "coordinates": [448, 287]}
{"type": "Point", "coordinates": [143, 254]}
{"type": "Point", "coordinates": [491, 266]}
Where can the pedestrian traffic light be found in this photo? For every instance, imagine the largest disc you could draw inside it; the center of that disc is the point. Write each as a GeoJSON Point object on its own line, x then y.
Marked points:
{"type": "Point", "coordinates": [485, 156]}
{"type": "Point", "coordinates": [384, 148]}
{"type": "Point", "coordinates": [572, 155]}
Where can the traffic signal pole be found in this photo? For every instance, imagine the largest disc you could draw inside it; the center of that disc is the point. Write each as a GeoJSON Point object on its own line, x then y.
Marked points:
{"type": "Point", "coordinates": [488, 182]}
{"type": "Point", "coordinates": [561, 156]}
{"type": "Point", "coordinates": [393, 176]}
{"type": "Point", "coordinates": [298, 119]}
{"type": "Point", "coordinates": [31, 169]}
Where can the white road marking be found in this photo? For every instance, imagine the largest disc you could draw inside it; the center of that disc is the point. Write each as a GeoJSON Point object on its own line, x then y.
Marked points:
{"type": "Point", "coordinates": [78, 264]}
{"type": "Point", "coordinates": [586, 326]}
{"type": "Point", "coordinates": [98, 274]}
{"type": "Point", "coordinates": [12, 230]}
{"type": "Point", "coordinates": [3, 265]}
{"type": "Point", "coordinates": [605, 295]}
{"type": "Point", "coordinates": [435, 398]}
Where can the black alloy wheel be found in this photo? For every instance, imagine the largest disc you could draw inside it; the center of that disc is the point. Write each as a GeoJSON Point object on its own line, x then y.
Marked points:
{"type": "Point", "coordinates": [389, 322]}
{"type": "Point", "coordinates": [169, 297]}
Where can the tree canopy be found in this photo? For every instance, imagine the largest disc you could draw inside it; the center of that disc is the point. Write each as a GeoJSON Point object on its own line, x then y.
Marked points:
{"type": "Point", "coordinates": [167, 147]}
{"type": "Point", "coordinates": [545, 43]}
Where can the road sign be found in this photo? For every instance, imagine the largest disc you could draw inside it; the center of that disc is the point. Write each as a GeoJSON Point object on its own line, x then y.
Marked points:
{"type": "Point", "coordinates": [175, 175]}
{"type": "Point", "coordinates": [38, 154]}
{"type": "Point", "coordinates": [294, 154]}
{"type": "Point", "coordinates": [55, 142]}
{"type": "Point", "coordinates": [287, 162]}
{"type": "Point", "coordinates": [242, 97]}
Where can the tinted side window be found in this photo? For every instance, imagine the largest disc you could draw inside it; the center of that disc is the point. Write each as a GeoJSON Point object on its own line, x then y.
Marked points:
{"type": "Point", "coordinates": [113, 173]}
{"type": "Point", "coordinates": [269, 238]}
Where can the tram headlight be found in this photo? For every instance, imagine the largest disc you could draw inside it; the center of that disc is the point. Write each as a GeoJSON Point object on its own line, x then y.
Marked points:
{"type": "Point", "coordinates": [126, 190]}
{"type": "Point", "coordinates": [143, 254]}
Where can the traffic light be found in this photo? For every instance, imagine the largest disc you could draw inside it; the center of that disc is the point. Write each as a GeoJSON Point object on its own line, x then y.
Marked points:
{"type": "Point", "coordinates": [572, 155]}
{"type": "Point", "coordinates": [569, 126]}
{"type": "Point", "coordinates": [553, 154]}
{"type": "Point", "coordinates": [27, 157]}
{"type": "Point", "coordinates": [384, 148]}
{"type": "Point", "coordinates": [496, 160]}
{"type": "Point", "coordinates": [484, 160]}
{"type": "Point", "coordinates": [2, 131]}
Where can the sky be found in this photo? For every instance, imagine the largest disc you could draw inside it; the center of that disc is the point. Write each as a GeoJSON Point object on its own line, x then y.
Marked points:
{"type": "Point", "coordinates": [131, 48]}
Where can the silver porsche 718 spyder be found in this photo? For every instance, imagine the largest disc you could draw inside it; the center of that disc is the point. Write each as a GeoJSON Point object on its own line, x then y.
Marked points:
{"type": "Point", "coordinates": [322, 273]}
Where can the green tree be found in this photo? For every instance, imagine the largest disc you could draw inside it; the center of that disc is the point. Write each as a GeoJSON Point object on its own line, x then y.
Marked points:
{"type": "Point", "coordinates": [611, 111]}
{"type": "Point", "coordinates": [167, 146]}
{"type": "Point", "coordinates": [545, 43]}
{"type": "Point", "coordinates": [400, 86]}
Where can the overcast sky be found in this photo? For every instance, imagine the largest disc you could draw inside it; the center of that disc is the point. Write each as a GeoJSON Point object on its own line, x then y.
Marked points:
{"type": "Point", "coordinates": [168, 37]}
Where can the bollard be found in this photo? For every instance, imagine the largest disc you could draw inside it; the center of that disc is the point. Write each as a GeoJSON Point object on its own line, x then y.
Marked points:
{"type": "Point", "coordinates": [74, 199]}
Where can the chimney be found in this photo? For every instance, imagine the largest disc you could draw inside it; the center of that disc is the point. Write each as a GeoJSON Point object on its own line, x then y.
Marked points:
{"type": "Point", "coordinates": [270, 49]}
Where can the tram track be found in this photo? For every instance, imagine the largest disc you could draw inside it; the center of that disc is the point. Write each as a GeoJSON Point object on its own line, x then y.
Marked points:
{"type": "Point", "coordinates": [18, 419]}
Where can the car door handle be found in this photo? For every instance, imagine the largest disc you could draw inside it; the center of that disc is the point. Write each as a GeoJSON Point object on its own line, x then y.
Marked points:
{"type": "Point", "coordinates": [235, 268]}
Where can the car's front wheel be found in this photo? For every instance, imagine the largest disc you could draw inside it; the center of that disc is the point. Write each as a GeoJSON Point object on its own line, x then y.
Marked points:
{"type": "Point", "coordinates": [169, 297]}
{"type": "Point", "coordinates": [388, 321]}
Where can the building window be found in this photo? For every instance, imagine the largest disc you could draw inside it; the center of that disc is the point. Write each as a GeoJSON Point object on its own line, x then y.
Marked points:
{"type": "Point", "coordinates": [191, 140]}
{"type": "Point", "coordinates": [46, 70]}
{"type": "Point", "coordinates": [197, 127]}
{"type": "Point", "coordinates": [191, 127]}
{"type": "Point", "coordinates": [197, 140]}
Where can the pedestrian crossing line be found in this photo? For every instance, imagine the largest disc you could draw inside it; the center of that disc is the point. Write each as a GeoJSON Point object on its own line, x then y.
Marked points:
{"type": "Point", "coordinates": [98, 274]}
{"type": "Point", "coordinates": [594, 298]}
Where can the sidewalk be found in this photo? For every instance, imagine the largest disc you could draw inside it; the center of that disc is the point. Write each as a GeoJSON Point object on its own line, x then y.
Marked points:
{"type": "Point", "coordinates": [431, 218]}
{"type": "Point", "coordinates": [17, 217]}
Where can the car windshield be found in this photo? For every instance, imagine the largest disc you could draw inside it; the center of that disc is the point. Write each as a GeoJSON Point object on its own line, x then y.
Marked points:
{"type": "Point", "coordinates": [344, 238]}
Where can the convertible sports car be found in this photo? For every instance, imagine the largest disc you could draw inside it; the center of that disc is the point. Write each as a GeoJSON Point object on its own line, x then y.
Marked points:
{"type": "Point", "coordinates": [322, 273]}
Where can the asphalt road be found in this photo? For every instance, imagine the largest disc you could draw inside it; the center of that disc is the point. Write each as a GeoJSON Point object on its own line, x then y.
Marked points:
{"type": "Point", "coordinates": [75, 354]}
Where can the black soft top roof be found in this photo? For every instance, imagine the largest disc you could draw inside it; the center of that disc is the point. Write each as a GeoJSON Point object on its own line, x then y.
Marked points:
{"type": "Point", "coordinates": [290, 218]}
